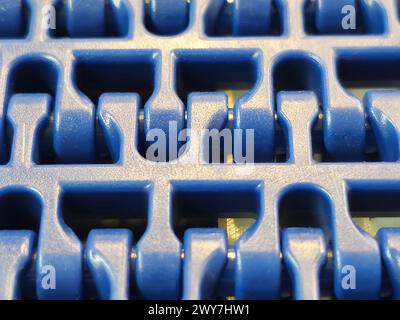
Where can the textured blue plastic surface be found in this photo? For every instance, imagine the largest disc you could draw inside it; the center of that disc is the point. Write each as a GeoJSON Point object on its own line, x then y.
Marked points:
{"type": "Point", "coordinates": [108, 255]}
{"type": "Point", "coordinates": [77, 101]}
{"type": "Point", "coordinates": [205, 258]}
{"type": "Point", "coordinates": [304, 252]}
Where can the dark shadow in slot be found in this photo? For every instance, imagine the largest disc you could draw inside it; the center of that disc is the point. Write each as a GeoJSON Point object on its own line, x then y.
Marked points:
{"type": "Point", "coordinates": [306, 206]}
{"type": "Point", "coordinates": [90, 207]}
{"type": "Point", "coordinates": [34, 74]}
{"type": "Point", "coordinates": [215, 70]}
{"type": "Point", "coordinates": [218, 20]}
{"type": "Point", "coordinates": [374, 200]}
{"type": "Point", "coordinates": [281, 154]}
{"type": "Point", "coordinates": [6, 147]}
{"type": "Point", "coordinates": [370, 19]}
{"type": "Point", "coordinates": [368, 70]}
{"type": "Point", "coordinates": [20, 209]}
{"type": "Point", "coordinates": [202, 204]}
{"type": "Point", "coordinates": [118, 18]}
{"type": "Point", "coordinates": [124, 72]}
{"type": "Point", "coordinates": [298, 71]}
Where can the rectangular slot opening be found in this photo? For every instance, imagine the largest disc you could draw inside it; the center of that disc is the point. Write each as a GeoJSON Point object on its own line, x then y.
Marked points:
{"type": "Point", "coordinates": [374, 205]}
{"type": "Point", "coordinates": [232, 72]}
{"type": "Point", "coordinates": [87, 207]}
{"type": "Point", "coordinates": [20, 209]}
{"type": "Point", "coordinates": [234, 206]}
{"type": "Point", "coordinates": [123, 72]}
{"type": "Point", "coordinates": [368, 70]}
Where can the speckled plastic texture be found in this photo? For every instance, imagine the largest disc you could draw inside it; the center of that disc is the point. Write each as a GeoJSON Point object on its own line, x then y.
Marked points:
{"type": "Point", "coordinates": [83, 213]}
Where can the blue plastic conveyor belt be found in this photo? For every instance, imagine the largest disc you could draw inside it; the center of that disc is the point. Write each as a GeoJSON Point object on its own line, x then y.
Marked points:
{"type": "Point", "coordinates": [86, 213]}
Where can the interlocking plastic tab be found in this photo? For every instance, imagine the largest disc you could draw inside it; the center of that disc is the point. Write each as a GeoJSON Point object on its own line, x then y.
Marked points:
{"type": "Point", "coordinates": [166, 18]}
{"type": "Point", "coordinates": [252, 17]}
{"type": "Point", "coordinates": [304, 251]}
{"type": "Point", "coordinates": [205, 258]}
{"type": "Point", "coordinates": [12, 20]}
{"type": "Point", "coordinates": [329, 15]}
{"type": "Point", "coordinates": [390, 247]}
{"type": "Point", "coordinates": [108, 255]}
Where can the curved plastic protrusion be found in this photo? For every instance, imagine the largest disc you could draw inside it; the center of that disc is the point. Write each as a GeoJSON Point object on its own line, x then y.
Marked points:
{"type": "Point", "coordinates": [357, 274]}
{"type": "Point", "coordinates": [205, 258]}
{"type": "Point", "coordinates": [58, 272]}
{"type": "Point", "coordinates": [382, 108]}
{"type": "Point", "coordinates": [74, 134]}
{"type": "Point", "coordinates": [260, 119]}
{"type": "Point", "coordinates": [258, 250]}
{"type": "Point", "coordinates": [344, 133]}
{"type": "Point", "coordinates": [329, 15]}
{"type": "Point", "coordinates": [168, 17]}
{"type": "Point", "coordinates": [159, 246]}
{"type": "Point", "coordinates": [164, 109]}
{"type": "Point", "coordinates": [343, 122]}
{"type": "Point", "coordinates": [11, 18]}
{"type": "Point", "coordinates": [389, 240]}
{"type": "Point", "coordinates": [108, 254]}
{"type": "Point", "coordinates": [251, 17]}
{"type": "Point", "coordinates": [304, 251]}
{"type": "Point", "coordinates": [357, 261]}
{"type": "Point", "coordinates": [349, 16]}
{"type": "Point", "coordinates": [16, 251]}
{"type": "Point", "coordinates": [374, 17]}
{"type": "Point", "coordinates": [78, 23]}
{"type": "Point", "coordinates": [254, 111]}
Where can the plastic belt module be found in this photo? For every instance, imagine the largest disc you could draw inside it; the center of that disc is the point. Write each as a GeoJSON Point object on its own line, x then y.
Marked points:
{"type": "Point", "coordinates": [84, 214]}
